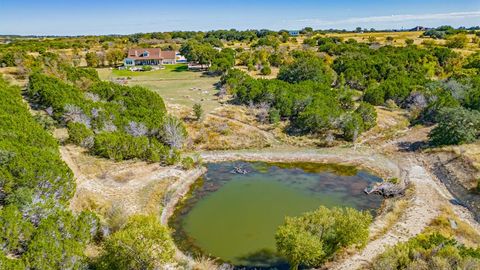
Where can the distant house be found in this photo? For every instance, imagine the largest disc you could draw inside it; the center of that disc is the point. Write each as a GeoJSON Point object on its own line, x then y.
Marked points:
{"type": "Point", "coordinates": [151, 57]}
{"type": "Point", "coordinates": [294, 33]}
{"type": "Point", "coordinates": [419, 28]}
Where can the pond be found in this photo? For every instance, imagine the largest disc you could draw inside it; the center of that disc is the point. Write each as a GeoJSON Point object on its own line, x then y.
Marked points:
{"type": "Point", "coordinates": [233, 217]}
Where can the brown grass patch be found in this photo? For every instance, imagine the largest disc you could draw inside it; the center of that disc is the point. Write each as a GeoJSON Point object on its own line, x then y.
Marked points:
{"type": "Point", "coordinates": [463, 232]}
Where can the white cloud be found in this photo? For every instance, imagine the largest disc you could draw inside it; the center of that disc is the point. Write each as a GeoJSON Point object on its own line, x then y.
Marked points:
{"type": "Point", "coordinates": [394, 18]}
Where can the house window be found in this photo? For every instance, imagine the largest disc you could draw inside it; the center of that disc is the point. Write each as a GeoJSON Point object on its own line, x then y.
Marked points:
{"type": "Point", "coordinates": [145, 54]}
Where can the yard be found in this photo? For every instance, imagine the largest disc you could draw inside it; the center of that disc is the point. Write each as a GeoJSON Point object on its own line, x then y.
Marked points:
{"type": "Point", "coordinates": [176, 84]}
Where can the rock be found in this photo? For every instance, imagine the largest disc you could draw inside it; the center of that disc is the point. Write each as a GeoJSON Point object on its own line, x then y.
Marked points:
{"type": "Point", "coordinates": [453, 224]}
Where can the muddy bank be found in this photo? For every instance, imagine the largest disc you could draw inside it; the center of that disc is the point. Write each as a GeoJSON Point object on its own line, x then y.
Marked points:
{"type": "Point", "coordinates": [378, 164]}
{"type": "Point", "coordinates": [177, 191]}
{"type": "Point", "coordinates": [458, 177]}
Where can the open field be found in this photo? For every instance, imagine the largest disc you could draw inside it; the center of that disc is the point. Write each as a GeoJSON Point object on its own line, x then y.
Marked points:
{"type": "Point", "coordinates": [175, 84]}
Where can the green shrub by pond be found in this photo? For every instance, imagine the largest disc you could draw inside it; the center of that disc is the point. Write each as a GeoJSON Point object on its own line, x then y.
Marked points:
{"type": "Point", "coordinates": [315, 236]}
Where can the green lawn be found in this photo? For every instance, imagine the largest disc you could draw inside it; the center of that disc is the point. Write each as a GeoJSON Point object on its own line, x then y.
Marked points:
{"type": "Point", "coordinates": [176, 84]}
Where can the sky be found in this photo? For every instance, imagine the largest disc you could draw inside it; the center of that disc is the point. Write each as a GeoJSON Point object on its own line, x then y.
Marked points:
{"type": "Point", "coordinates": [86, 17]}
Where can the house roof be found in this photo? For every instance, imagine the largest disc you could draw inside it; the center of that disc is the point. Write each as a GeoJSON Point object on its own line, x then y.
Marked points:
{"type": "Point", "coordinates": [150, 54]}
{"type": "Point", "coordinates": [168, 54]}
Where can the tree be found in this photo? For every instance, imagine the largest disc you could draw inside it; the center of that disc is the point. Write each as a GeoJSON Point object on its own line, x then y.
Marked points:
{"type": "Point", "coordinates": [223, 61]}
{"type": "Point", "coordinates": [456, 126]}
{"type": "Point", "coordinates": [114, 56]}
{"type": "Point", "coordinates": [315, 236]}
{"type": "Point", "coordinates": [196, 52]}
{"type": "Point", "coordinates": [198, 111]}
{"type": "Point", "coordinates": [142, 244]}
{"type": "Point", "coordinates": [306, 67]}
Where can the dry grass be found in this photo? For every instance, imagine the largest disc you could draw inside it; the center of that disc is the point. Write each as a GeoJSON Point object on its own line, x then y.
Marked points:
{"type": "Point", "coordinates": [10, 74]}
{"type": "Point", "coordinates": [154, 194]}
{"type": "Point", "coordinates": [256, 73]}
{"type": "Point", "coordinates": [205, 263]}
{"type": "Point", "coordinates": [390, 124]}
{"type": "Point", "coordinates": [393, 211]}
{"type": "Point", "coordinates": [464, 233]}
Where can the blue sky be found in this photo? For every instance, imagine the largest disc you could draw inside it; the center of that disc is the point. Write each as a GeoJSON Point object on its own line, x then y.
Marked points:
{"type": "Point", "coordinates": [72, 17]}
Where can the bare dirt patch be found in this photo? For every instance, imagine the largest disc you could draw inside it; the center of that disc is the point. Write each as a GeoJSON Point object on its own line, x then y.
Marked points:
{"type": "Point", "coordinates": [132, 186]}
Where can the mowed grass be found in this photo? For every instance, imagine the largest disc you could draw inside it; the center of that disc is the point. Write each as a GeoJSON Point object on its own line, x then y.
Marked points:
{"type": "Point", "coordinates": [175, 84]}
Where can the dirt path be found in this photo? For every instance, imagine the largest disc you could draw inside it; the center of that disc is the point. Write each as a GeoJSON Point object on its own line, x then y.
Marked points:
{"type": "Point", "coordinates": [134, 187]}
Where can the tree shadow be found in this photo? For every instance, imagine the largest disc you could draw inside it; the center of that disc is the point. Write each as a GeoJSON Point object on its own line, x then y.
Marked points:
{"type": "Point", "coordinates": [181, 68]}
{"type": "Point", "coordinates": [262, 260]}
{"type": "Point", "coordinates": [412, 146]}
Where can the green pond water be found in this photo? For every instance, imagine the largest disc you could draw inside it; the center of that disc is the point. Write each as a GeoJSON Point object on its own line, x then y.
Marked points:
{"type": "Point", "coordinates": [233, 217]}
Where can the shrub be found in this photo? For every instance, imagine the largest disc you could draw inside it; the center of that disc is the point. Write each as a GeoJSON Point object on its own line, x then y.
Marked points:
{"type": "Point", "coordinates": [457, 41]}
{"type": "Point", "coordinates": [274, 116]}
{"type": "Point", "coordinates": [428, 251]}
{"type": "Point", "coordinates": [306, 67]}
{"type": "Point", "coordinates": [266, 70]}
{"type": "Point", "coordinates": [368, 114]}
{"type": "Point", "coordinates": [374, 95]}
{"type": "Point", "coordinates": [147, 68]}
{"type": "Point", "coordinates": [79, 134]}
{"type": "Point", "coordinates": [198, 111]}
{"type": "Point", "coordinates": [456, 126]}
{"type": "Point", "coordinates": [315, 236]}
{"type": "Point", "coordinates": [142, 244]}
{"type": "Point", "coordinates": [352, 126]}
{"type": "Point", "coordinates": [188, 163]}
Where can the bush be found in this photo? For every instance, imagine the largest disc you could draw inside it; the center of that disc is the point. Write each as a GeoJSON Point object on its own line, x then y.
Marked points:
{"type": "Point", "coordinates": [198, 111]}
{"type": "Point", "coordinates": [147, 68]}
{"type": "Point", "coordinates": [266, 70]}
{"type": "Point", "coordinates": [368, 114]}
{"type": "Point", "coordinates": [352, 126]}
{"type": "Point", "coordinates": [374, 95]}
{"type": "Point", "coordinates": [306, 67]}
{"type": "Point", "coordinates": [428, 251]}
{"type": "Point", "coordinates": [458, 41]}
{"type": "Point", "coordinates": [80, 135]}
{"type": "Point", "coordinates": [274, 116]}
{"type": "Point", "coordinates": [315, 236]}
{"type": "Point", "coordinates": [129, 122]}
{"type": "Point", "coordinates": [188, 163]}
{"type": "Point", "coordinates": [142, 244]}
{"type": "Point", "coordinates": [456, 126]}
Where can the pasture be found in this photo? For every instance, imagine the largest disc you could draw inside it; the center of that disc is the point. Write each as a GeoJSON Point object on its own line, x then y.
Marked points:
{"type": "Point", "coordinates": [175, 84]}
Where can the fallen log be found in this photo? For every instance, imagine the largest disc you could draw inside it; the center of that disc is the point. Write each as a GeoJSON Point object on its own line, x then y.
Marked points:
{"type": "Point", "coordinates": [387, 189]}
{"type": "Point", "coordinates": [239, 170]}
